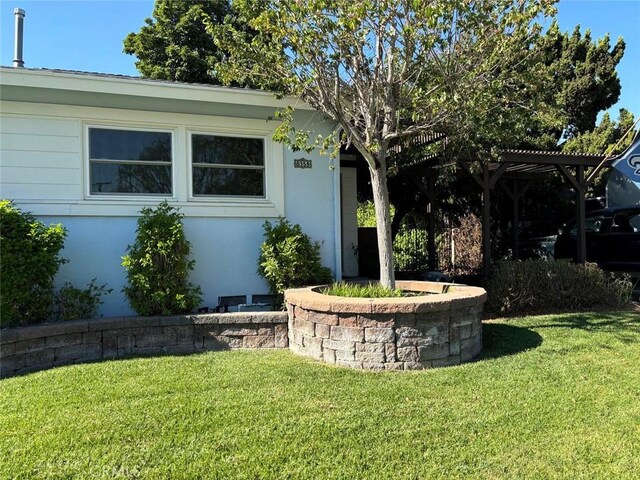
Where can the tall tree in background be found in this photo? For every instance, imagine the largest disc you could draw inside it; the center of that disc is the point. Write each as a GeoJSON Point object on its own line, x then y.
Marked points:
{"type": "Point", "coordinates": [585, 77]}
{"type": "Point", "coordinates": [174, 44]}
{"type": "Point", "coordinates": [388, 71]}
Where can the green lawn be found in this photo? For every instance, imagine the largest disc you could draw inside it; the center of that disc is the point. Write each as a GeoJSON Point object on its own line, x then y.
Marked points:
{"type": "Point", "coordinates": [553, 397]}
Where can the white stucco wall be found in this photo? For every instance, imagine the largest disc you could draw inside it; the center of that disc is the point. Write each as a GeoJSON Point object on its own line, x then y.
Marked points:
{"type": "Point", "coordinates": [43, 168]}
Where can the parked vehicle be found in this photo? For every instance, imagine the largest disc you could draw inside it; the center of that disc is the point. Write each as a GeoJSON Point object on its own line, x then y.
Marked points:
{"type": "Point", "coordinates": [613, 239]}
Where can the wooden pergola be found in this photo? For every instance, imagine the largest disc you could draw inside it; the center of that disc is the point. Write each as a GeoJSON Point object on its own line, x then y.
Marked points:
{"type": "Point", "coordinates": [514, 173]}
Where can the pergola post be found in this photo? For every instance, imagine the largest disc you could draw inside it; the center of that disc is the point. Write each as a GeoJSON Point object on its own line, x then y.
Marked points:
{"type": "Point", "coordinates": [581, 210]}
{"type": "Point", "coordinates": [486, 221]}
{"type": "Point", "coordinates": [431, 245]}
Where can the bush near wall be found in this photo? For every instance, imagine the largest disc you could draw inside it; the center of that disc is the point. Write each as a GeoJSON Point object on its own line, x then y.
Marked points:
{"type": "Point", "coordinates": [288, 258]}
{"type": "Point", "coordinates": [158, 265]}
{"type": "Point", "coordinates": [537, 286]}
{"type": "Point", "coordinates": [29, 255]}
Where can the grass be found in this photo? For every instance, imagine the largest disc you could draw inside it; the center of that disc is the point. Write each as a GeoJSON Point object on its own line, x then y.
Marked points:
{"type": "Point", "coordinates": [553, 397]}
{"type": "Point", "coordinates": [363, 290]}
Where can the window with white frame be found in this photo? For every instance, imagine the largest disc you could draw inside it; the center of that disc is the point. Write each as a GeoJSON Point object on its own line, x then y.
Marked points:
{"type": "Point", "coordinates": [129, 162]}
{"type": "Point", "coordinates": [227, 166]}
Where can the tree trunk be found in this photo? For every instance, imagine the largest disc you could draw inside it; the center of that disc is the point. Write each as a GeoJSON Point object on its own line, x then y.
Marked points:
{"type": "Point", "coordinates": [383, 224]}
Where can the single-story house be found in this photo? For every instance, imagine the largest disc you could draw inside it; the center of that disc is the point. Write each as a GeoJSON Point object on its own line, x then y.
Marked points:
{"type": "Point", "coordinates": [90, 150]}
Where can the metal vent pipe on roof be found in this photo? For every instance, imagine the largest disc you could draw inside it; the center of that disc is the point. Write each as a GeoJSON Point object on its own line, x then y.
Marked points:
{"type": "Point", "coordinates": [17, 51]}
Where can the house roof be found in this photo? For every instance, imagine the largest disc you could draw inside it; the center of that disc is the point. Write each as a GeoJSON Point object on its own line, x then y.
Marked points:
{"type": "Point", "coordinates": [15, 81]}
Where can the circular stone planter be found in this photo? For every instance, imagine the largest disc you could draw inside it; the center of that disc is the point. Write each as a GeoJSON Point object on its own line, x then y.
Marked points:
{"type": "Point", "coordinates": [440, 328]}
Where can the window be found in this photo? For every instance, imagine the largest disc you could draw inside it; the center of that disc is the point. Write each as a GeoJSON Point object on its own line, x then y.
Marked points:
{"type": "Point", "coordinates": [227, 166]}
{"type": "Point", "coordinates": [129, 162]}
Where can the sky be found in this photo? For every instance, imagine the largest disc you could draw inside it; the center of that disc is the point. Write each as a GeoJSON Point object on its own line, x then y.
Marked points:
{"type": "Point", "coordinates": [87, 35]}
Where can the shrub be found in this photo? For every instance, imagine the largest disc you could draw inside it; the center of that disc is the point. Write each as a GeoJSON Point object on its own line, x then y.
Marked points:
{"type": "Point", "coordinates": [158, 265]}
{"type": "Point", "coordinates": [71, 303]}
{"type": "Point", "coordinates": [362, 290]}
{"type": "Point", "coordinates": [537, 286]}
{"type": "Point", "coordinates": [29, 255]}
{"type": "Point", "coordinates": [289, 259]}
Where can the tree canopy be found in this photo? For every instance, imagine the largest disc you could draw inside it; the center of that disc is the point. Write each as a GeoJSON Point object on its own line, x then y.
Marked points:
{"type": "Point", "coordinates": [388, 71]}
{"type": "Point", "coordinates": [174, 44]}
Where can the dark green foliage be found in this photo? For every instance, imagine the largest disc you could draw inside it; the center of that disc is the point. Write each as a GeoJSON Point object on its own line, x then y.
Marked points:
{"type": "Point", "coordinates": [174, 44]}
{"type": "Point", "coordinates": [289, 259]}
{"type": "Point", "coordinates": [71, 303]}
{"type": "Point", "coordinates": [541, 286]}
{"type": "Point", "coordinates": [29, 255]}
{"type": "Point", "coordinates": [158, 265]}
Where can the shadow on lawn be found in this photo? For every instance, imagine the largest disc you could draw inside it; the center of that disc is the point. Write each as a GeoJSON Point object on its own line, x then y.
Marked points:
{"type": "Point", "coordinates": [500, 340]}
{"type": "Point", "coordinates": [623, 325]}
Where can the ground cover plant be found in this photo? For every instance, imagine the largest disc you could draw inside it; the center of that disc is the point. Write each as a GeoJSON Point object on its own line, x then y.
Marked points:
{"type": "Point", "coordinates": [362, 290]}
{"type": "Point", "coordinates": [552, 397]}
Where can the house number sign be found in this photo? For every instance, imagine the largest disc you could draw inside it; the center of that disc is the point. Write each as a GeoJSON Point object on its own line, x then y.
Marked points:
{"type": "Point", "coordinates": [301, 163]}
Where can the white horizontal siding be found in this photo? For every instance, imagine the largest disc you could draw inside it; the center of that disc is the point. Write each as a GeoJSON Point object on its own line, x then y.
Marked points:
{"type": "Point", "coordinates": [40, 158]}
{"type": "Point", "coordinates": [17, 158]}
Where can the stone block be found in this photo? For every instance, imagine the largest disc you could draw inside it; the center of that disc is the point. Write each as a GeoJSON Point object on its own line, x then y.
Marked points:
{"type": "Point", "coordinates": [373, 334]}
{"type": "Point", "coordinates": [12, 363]}
{"type": "Point", "coordinates": [176, 320]}
{"type": "Point", "coordinates": [265, 330]}
{"type": "Point", "coordinates": [341, 345]}
{"type": "Point", "coordinates": [407, 354]}
{"type": "Point", "coordinates": [235, 318]}
{"type": "Point", "coordinates": [465, 331]}
{"type": "Point", "coordinates": [281, 338]}
{"type": "Point", "coordinates": [323, 317]}
{"type": "Point", "coordinates": [370, 357]}
{"type": "Point", "coordinates": [394, 366]}
{"type": "Point", "coordinates": [349, 363]}
{"type": "Point", "coordinates": [405, 320]}
{"type": "Point", "coordinates": [238, 331]}
{"type": "Point", "coordinates": [394, 305]}
{"type": "Point", "coordinates": [454, 341]}
{"type": "Point", "coordinates": [447, 362]}
{"type": "Point", "coordinates": [297, 338]}
{"type": "Point", "coordinates": [390, 352]}
{"type": "Point", "coordinates": [436, 329]}
{"type": "Point", "coordinates": [372, 365]}
{"type": "Point", "coordinates": [143, 351]}
{"type": "Point", "coordinates": [156, 340]}
{"type": "Point", "coordinates": [416, 365]}
{"type": "Point", "coordinates": [270, 318]}
{"type": "Point", "coordinates": [377, 320]}
{"type": "Point", "coordinates": [26, 346]}
{"type": "Point", "coordinates": [312, 343]}
{"type": "Point", "coordinates": [92, 351]}
{"type": "Point", "coordinates": [206, 319]}
{"type": "Point", "coordinates": [110, 347]}
{"type": "Point", "coordinates": [344, 356]}
{"type": "Point", "coordinates": [184, 333]}
{"type": "Point", "coordinates": [466, 354]}
{"type": "Point", "coordinates": [329, 355]}
{"type": "Point", "coordinates": [323, 331]}
{"type": "Point", "coordinates": [476, 328]}
{"type": "Point", "coordinates": [259, 341]}
{"type": "Point", "coordinates": [221, 343]}
{"type": "Point", "coordinates": [39, 357]}
{"type": "Point", "coordinates": [68, 354]}
{"type": "Point", "coordinates": [402, 332]}
{"type": "Point", "coordinates": [64, 340]}
{"type": "Point", "coordinates": [92, 337]}
{"type": "Point", "coordinates": [125, 345]}
{"type": "Point", "coordinates": [305, 327]}
{"type": "Point", "coordinates": [351, 334]}
{"type": "Point", "coordinates": [370, 347]}
{"type": "Point", "coordinates": [429, 318]}
{"type": "Point", "coordinates": [7, 349]}
{"type": "Point", "coordinates": [183, 349]}
{"type": "Point", "coordinates": [433, 352]}
{"type": "Point", "coordinates": [422, 341]}
{"type": "Point", "coordinates": [348, 319]}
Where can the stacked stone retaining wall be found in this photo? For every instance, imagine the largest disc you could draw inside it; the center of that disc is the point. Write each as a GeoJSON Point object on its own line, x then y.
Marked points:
{"type": "Point", "coordinates": [27, 349]}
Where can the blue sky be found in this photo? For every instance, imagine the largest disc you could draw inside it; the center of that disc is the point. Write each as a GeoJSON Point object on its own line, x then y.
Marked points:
{"type": "Point", "coordinates": [87, 34]}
